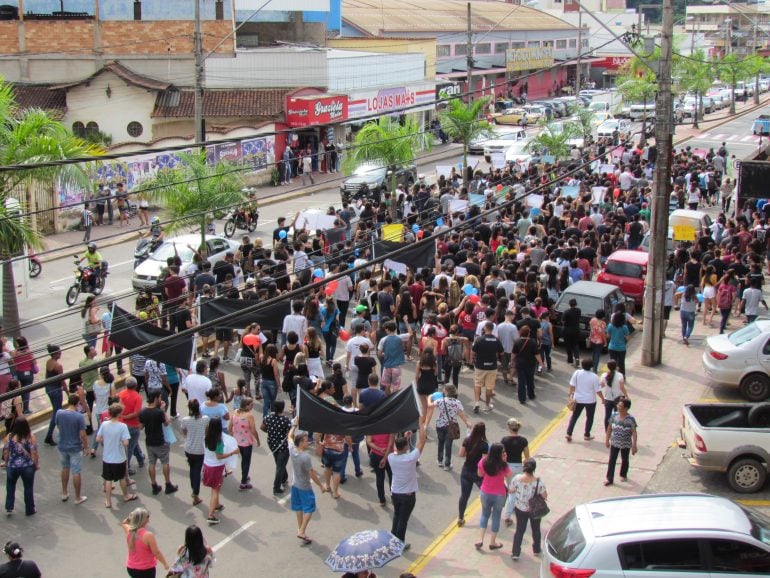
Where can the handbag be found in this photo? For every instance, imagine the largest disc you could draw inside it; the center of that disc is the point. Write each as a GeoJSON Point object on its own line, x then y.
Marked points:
{"type": "Point", "coordinates": [571, 404]}
{"type": "Point", "coordinates": [452, 427]}
{"type": "Point", "coordinates": [168, 434]}
{"type": "Point", "coordinates": [538, 507]}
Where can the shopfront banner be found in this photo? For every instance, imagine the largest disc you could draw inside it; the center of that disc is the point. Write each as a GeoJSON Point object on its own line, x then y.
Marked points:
{"type": "Point", "coordinates": [303, 111]}
{"type": "Point", "coordinates": [407, 98]}
{"type": "Point", "coordinates": [528, 58]}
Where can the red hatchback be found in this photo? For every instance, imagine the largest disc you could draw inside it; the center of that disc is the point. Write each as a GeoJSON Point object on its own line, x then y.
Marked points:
{"type": "Point", "coordinates": [627, 270]}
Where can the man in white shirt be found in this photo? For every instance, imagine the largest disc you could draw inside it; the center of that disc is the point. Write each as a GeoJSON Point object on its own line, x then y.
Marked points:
{"type": "Point", "coordinates": [197, 384]}
{"type": "Point", "coordinates": [507, 333]}
{"type": "Point", "coordinates": [353, 350]}
{"type": "Point", "coordinates": [403, 485]}
{"type": "Point", "coordinates": [342, 293]}
{"type": "Point", "coordinates": [584, 388]}
{"type": "Point", "coordinates": [295, 322]}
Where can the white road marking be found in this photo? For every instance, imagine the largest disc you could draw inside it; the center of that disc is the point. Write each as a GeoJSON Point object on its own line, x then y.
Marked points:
{"type": "Point", "coordinates": [234, 535]}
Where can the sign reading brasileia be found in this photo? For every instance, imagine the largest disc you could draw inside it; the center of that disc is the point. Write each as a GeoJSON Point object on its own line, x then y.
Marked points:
{"type": "Point", "coordinates": [528, 58]}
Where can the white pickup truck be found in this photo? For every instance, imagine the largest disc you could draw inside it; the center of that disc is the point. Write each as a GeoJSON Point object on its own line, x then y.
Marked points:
{"type": "Point", "coordinates": [729, 437]}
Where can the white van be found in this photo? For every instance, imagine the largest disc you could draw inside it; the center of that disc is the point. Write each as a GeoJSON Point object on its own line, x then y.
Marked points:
{"type": "Point", "coordinates": [638, 111]}
{"type": "Point", "coordinates": [689, 218]}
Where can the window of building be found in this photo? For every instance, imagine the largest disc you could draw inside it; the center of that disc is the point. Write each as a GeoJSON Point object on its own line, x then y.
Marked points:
{"type": "Point", "coordinates": [518, 44]}
{"type": "Point", "coordinates": [92, 128]}
{"type": "Point", "coordinates": [78, 129]}
{"type": "Point", "coordinates": [547, 43]}
{"type": "Point", "coordinates": [573, 42]}
{"type": "Point", "coordinates": [584, 43]}
{"type": "Point", "coordinates": [483, 48]}
{"type": "Point", "coordinates": [443, 50]}
{"type": "Point", "coordinates": [561, 44]}
{"type": "Point", "coordinates": [533, 44]}
{"type": "Point", "coordinates": [135, 129]}
{"type": "Point", "coordinates": [501, 47]}
{"type": "Point", "coordinates": [461, 49]}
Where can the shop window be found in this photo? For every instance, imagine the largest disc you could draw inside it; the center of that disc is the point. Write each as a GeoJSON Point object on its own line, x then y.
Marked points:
{"type": "Point", "coordinates": [483, 48]}
{"type": "Point", "coordinates": [443, 50]}
{"type": "Point", "coordinates": [78, 129]}
{"type": "Point", "coordinates": [561, 44]}
{"type": "Point", "coordinates": [501, 47]}
{"type": "Point", "coordinates": [461, 49]}
{"type": "Point", "coordinates": [135, 129]}
{"type": "Point", "coordinates": [533, 44]}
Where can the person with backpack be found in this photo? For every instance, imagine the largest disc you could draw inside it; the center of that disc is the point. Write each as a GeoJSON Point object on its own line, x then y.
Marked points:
{"type": "Point", "coordinates": [453, 351]}
{"type": "Point", "coordinates": [330, 328]}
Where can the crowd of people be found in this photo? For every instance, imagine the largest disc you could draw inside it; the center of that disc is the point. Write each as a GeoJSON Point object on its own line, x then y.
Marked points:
{"type": "Point", "coordinates": [486, 307]}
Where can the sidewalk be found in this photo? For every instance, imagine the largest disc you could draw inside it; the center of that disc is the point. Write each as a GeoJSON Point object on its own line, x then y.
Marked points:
{"type": "Point", "coordinates": [574, 472]}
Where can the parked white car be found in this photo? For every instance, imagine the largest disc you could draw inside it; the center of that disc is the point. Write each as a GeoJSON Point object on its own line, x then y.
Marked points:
{"type": "Point", "coordinates": [608, 127]}
{"type": "Point", "coordinates": [501, 133]}
{"type": "Point", "coordinates": [741, 359]}
{"type": "Point", "coordinates": [517, 154]}
{"type": "Point", "coordinates": [639, 111]}
{"type": "Point", "coordinates": [502, 141]}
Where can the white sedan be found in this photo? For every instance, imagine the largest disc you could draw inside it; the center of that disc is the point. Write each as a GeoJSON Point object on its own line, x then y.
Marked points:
{"type": "Point", "coordinates": [741, 359]}
{"type": "Point", "coordinates": [608, 127]}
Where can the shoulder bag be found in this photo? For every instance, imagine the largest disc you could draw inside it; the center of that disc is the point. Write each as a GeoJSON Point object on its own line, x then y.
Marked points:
{"type": "Point", "coordinates": [452, 427]}
{"type": "Point", "coordinates": [538, 507]}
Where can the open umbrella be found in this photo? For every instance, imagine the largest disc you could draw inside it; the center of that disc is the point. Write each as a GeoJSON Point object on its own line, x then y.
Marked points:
{"type": "Point", "coordinates": [365, 550]}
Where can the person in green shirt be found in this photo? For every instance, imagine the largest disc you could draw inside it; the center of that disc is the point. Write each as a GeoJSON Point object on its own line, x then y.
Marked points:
{"type": "Point", "coordinates": [644, 213]}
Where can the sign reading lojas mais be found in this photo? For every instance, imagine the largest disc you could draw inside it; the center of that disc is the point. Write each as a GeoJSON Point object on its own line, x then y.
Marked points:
{"type": "Point", "coordinates": [302, 111]}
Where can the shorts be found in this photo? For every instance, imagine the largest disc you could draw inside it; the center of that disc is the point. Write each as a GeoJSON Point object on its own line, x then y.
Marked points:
{"type": "Point", "coordinates": [709, 292]}
{"type": "Point", "coordinates": [391, 377]}
{"type": "Point", "coordinates": [224, 334]}
{"type": "Point", "coordinates": [469, 334]}
{"type": "Point", "coordinates": [213, 476]}
{"type": "Point", "coordinates": [666, 312]}
{"type": "Point", "coordinates": [333, 460]}
{"type": "Point", "coordinates": [505, 361]}
{"type": "Point", "coordinates": [302, 500]}
{"type": "Point", "coordinates": [485, 378]}
{"type": "Point", "coordinates": [155, 453]}
{"type": "Point", "coordinates": [72, 461]}
{"type": "Point", "coordinates": [113, 472]}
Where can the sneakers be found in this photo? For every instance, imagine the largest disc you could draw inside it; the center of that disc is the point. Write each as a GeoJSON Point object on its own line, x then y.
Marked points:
{"type": "Point", "coordinates": [171, 488]}
{"type": "Point", "coordinates": [156, 489]}
{"type": "Point", "coordinates": [246, 487]}
{"type": "Point", "coordinates": [475, 409]}
{"type": "Point", "coordinates": [212, 520]}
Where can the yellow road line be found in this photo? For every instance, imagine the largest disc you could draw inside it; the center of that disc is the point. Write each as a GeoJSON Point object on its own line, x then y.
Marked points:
{"type": "Point", "coordinates": [720, 400]}
{"type": "Point", "coordinates": [755, 503]}
{"type": "Point", "coordinates": [443, 538]}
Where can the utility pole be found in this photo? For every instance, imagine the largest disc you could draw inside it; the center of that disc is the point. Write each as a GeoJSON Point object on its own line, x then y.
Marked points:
{"type": "Point", "coordinates": [469, 56]}
{"type": "Point", "coordinates": [756, 77]}
{"type": "Point", "coordinates": [580, 49]}
{"type": "Point", "coordinates": [200, 133]}
{"type": "Point", "coordinates": [652, 344]}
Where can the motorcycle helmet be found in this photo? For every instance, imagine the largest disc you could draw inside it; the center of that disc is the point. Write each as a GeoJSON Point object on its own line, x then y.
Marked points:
{"type": "Point", "coordinates": [156, 220]}
{"type": "Point", "coordinates": [92, 247]}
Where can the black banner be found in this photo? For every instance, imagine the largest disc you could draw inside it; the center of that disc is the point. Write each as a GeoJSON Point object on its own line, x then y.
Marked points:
{"type": "Point", "coordinates": [417, 257]}
{"type": "Point", "coordinates": [396, 413]}
{"type": "Point", "coordinates": [130, 332]}
{"type": "Point", "coordinates": [269, 318]}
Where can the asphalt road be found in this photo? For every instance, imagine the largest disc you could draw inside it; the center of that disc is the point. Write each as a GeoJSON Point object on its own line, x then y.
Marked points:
{"type": "Point", "coordinates": [736, 134]}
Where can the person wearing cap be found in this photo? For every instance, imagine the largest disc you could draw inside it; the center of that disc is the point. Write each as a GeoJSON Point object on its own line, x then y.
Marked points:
{"type": "Point", "coordinates": [360, 319]}
{"type": "Point", "coordinates": [16, 567]}
{"type": "Point", "coordinates": [249, 292]}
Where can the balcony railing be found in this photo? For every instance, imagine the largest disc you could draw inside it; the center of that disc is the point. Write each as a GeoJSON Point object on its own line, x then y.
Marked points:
{"type": "Point", "coordinates": [58, 16]}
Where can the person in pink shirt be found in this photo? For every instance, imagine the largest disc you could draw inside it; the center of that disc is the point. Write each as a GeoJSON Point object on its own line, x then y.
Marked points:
{"type": "Point", "coordinates": [143, 552]}
{"type": "Point", "coordinates": [494, 471]}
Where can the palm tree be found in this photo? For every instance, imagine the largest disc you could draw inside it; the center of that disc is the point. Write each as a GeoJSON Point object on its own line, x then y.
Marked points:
{"type": "Point", "coordinates": [31, 137]}
{"type": "Point", "coordinates": [585, 121]}
{"type": "Point", "coordinates": [696, 75]}
{"type": "Point", "coordinates": [388, 143]}
{"type": "Point", "coordinates": [463, 122]}
{"type": "Point", "coordinates": [554, 139]}
{"type": "Point", "coordinates": [193, 190]}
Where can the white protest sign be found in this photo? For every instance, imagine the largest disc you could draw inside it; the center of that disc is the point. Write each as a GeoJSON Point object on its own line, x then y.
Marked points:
{"type": "Point", "coordinates": [498, 159]}
{"type": "Point", "coordinates": [315, 221]}
{"type": "Point", "coordinates": [606, 169]}
{"type": "Point", "coordinates": [458, 206]}
{"type": "Point", "coordinates": [598, 194]}
{"type": "Point", "coordinates": [444, 170]}
{"type": "Point", "coordinates": [535, 201]}
{"type": "Point", "coordinates": [461, 271]}
{"type": "Point", "coordinates": [399, 268]}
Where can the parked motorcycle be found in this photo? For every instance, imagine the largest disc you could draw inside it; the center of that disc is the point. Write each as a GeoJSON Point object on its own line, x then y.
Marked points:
{"type": "Point", "coordinates": [35, 266]}
{"type": "Point", "coordinates": [237, 221]}
{"type": "Point", "coordinates": [85, 282]}
{"type": "Point", "coordinates": [144, 247]}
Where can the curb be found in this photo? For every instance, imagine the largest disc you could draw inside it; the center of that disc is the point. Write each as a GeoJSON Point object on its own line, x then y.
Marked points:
{"type": "Point", "coordinates": [725, 120]}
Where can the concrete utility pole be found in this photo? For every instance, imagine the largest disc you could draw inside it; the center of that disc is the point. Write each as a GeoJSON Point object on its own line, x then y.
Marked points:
{"type": "Point", "coordinates": [652, 344]}
{"type": "Point", "coordinates": [200, 134]}
{"type": "Point", "coordinates": [756, 78]}
{"type": "Point", "coordinates": [580, 49]}
{"type": "Point", "coordinates": [469, 56]}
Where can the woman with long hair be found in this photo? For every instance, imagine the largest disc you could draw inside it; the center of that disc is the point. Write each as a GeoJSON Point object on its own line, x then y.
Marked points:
{"type": "Point", "coordinates": [618, 334]}
{"type": "Point", "coordinates": [474, 447]}
{"type": "Point", "coordinates": [214, 459]}
{"type": "Point", "coordinates": [406, 312]}
{"type": "Point", "coordinates": [21, 461]}
{"type": "Point", "coordinates": [494, 471]}
{"type": "Point", "coordinates": [194, 557]}
{"type": "Point", "coordinates": [330, 328]}
{"type": "Point", "coordinates": [314, 346]}
{"type": "Point", "coordinates": [426, 377]}
{"type": "Point", "coordinates": [244, 429]}
{"type": "Point", "coordinates": [726, 293]}
{"type": "Point", "coordinates": [597, 337]}
{"type": "Point", "coordinates": [54, 390]}
{"type": "Point", "coordinates": [687, 307]}
{"type": "Point", "coordinates": [24, 367]}
{"type": "Point", "coordinates": [448, 409]}
{"type": "Point", "coordinates": [523, 487]}
{"type": "Point", "coordinates": [92, 325]}
{"type": "Point", "coordinates": [11, 407]}
{"type": "Point", "coordinates": [194, 427]}
{"type": "Point", "coordinates": [620, 439]}
{"type": "Point", "coordinates": [709, 289]}
{"type": "Point", "coordinates": [143, 551]}
{"type": "Point", "coordinates": [270, 378]}
{"type": "Point", "coordinates": [613, 388]}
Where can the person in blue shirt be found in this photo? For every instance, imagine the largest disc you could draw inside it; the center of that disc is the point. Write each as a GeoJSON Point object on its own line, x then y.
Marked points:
{"type": "Point", "coordinates": [617, 333]}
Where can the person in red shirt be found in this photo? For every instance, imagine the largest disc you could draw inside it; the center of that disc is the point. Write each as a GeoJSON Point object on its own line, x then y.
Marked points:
{"type": "Point", "coordinates": [131, 401]}
{"type": "Point", "coordinates": [416, 290]}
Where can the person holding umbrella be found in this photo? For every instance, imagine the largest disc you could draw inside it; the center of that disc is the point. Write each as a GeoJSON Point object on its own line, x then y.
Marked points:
{"type": "Point", "coordinates": [356, 555]}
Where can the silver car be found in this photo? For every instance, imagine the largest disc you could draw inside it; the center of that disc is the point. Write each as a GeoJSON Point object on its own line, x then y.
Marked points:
{"type": "Point", "coordinates": [658, 536]}
{"type": "Point", "coordinates": [147, 272]}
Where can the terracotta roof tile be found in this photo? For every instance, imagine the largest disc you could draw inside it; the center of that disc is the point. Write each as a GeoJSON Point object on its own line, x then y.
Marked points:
{"type": "Point", "coordinates": [123, 72]}
{"type": "Point", "coordinates": [219, 103]}
{"type": "Point", "coordinates": [40, 96]}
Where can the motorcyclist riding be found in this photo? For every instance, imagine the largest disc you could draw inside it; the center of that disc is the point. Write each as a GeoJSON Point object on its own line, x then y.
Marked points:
{"type": "Point", "coordinates": [156, 232]}
{"type": "Point", "coordinates": [250, 208]}
{"type": "Point", "coordinates": [95, 262]}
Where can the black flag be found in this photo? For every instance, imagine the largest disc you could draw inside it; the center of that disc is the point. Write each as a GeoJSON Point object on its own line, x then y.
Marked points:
{"type": "Point", "coordinates": [270, 317]}
{"type": "Point", "coordinates": [417, 257]}
{"type": "Point", "coordinates": [130, 332]}
{"type": "Point", "coordinates": [396, 413]}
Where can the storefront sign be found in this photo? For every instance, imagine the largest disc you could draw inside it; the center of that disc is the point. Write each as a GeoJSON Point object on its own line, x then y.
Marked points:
{"type": "Point", "coordinates": [391, 99]}
{"type": "Point", "coordinates": [315, 110]}
{"type": "Point", "coordinates": [611, 62]}
{"type": "Point", "coordinates": [529, 58]}
{"type": "Point", "coordinates": [448, 91]}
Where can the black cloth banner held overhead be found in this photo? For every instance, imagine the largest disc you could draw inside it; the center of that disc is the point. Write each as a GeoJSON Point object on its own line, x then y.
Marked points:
{"type": "Point", "coordinates": [130, 332]}
{"type": "Point", "coordinates": [417, 257]}
{"type": "Point", "coordinates": [396, 413]}
{"type": "Point", "coordinates": [270, 317]}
